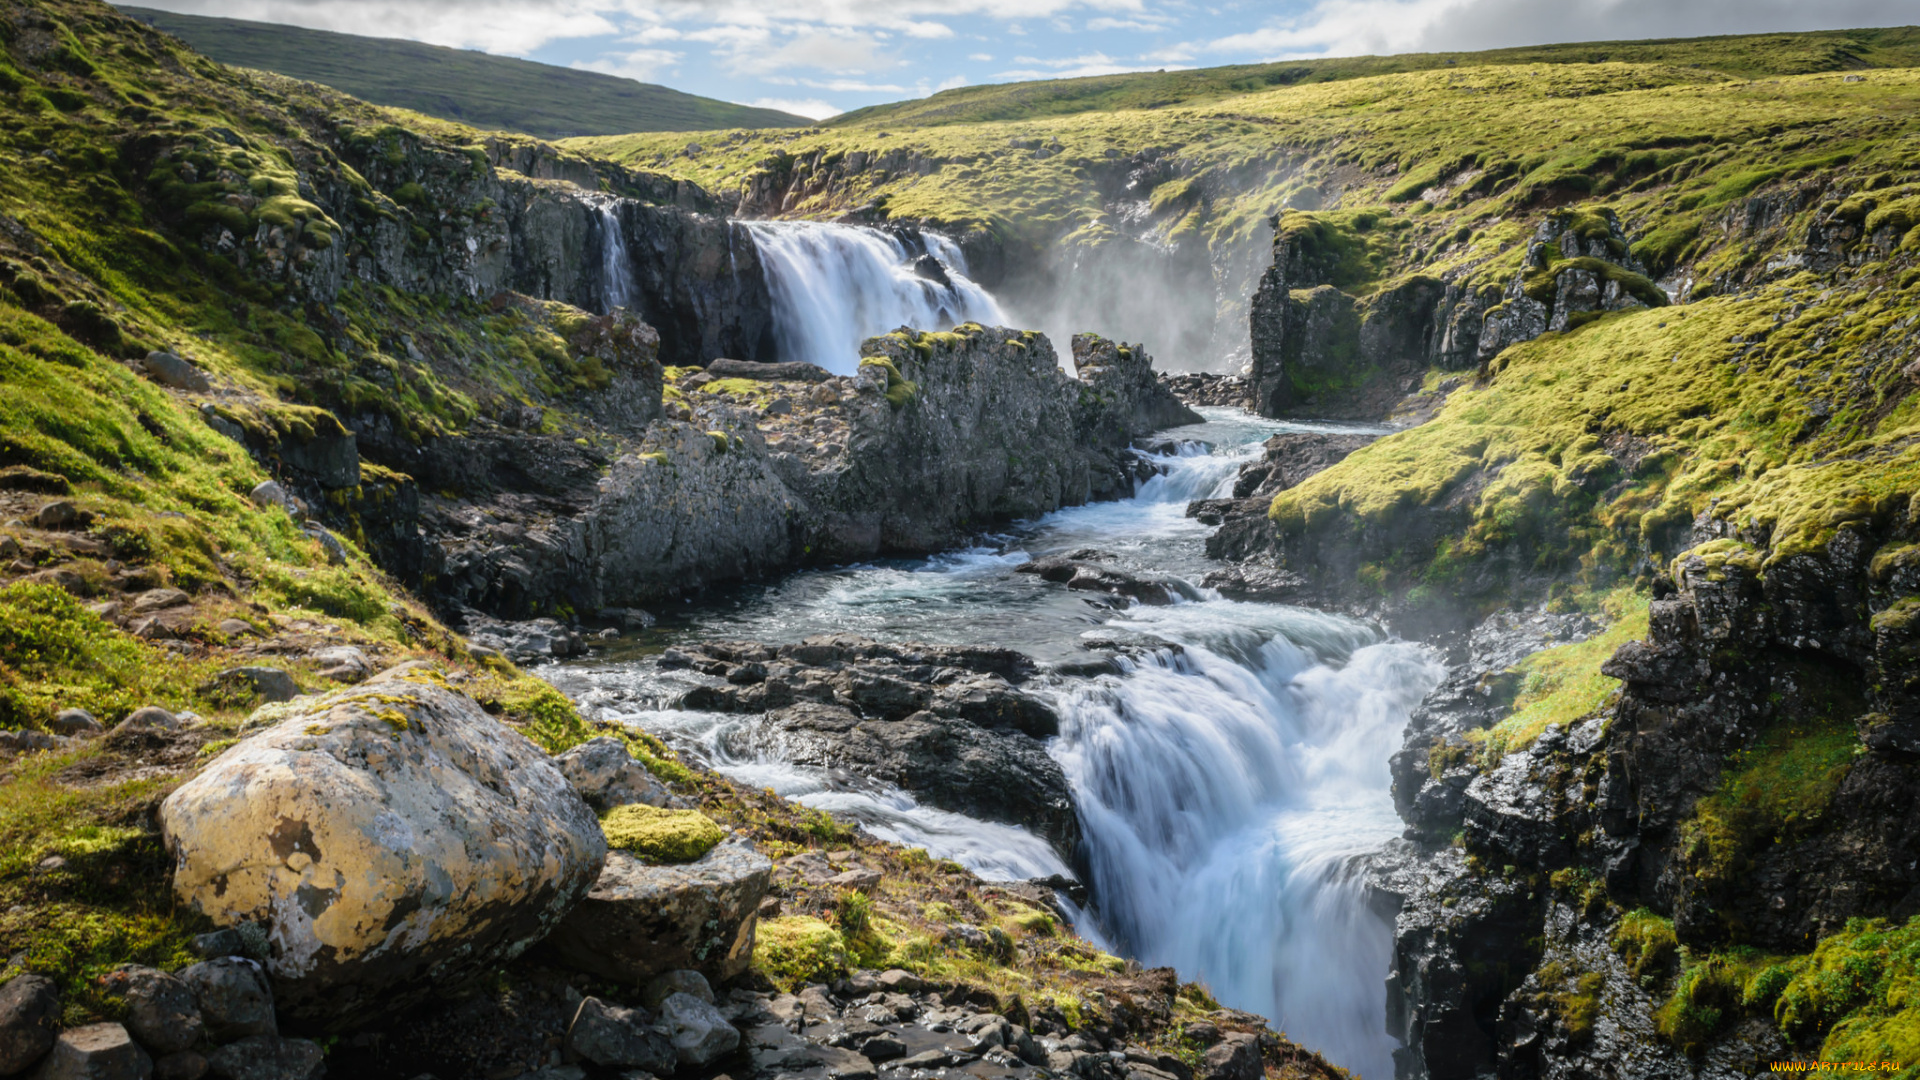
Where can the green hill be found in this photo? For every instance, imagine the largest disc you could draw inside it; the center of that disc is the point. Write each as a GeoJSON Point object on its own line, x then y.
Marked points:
{"type": "Point", "coordinates": [1747, 56]}
{"type": "Point", "coordinates": [495, 92]}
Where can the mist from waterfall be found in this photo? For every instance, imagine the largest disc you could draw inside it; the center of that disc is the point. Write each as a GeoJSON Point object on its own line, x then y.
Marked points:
{"type": "Point", "coordinates": [834, 286]}
{"type": "Point", "coordinates": [616, 265]}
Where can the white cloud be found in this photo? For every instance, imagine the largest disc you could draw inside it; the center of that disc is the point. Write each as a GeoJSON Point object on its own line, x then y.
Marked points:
{"type": "Point", "coordinates": [811, 108]}
{"type": "Point", "coordinates": [1357, 27]}
{"type": "Point", "coordinates": [1144, 22]}
{"type": "Point", "coordinates": [952, 83]}
{"type": "Point", "coordinates": [927, 30]}
{"type": "Point", "coordinates": [642, 65]}
{"type": "Point", "coordinates": [982, 57]}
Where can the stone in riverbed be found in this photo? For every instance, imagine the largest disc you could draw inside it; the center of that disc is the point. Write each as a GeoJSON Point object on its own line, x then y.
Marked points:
{"type": "Point", "coordinates": [395, 841]}
{"type": "Point", "coordinates": [639, 921]}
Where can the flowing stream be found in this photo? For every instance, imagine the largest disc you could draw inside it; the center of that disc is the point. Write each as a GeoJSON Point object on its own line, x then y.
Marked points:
{"type": "Point", "coordinates": [1227, 779]}
{"type": "Point", "coordinates": [834, 286]}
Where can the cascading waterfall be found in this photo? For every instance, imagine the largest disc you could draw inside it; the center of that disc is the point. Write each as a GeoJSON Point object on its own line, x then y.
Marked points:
{"type": "Point", "coordinates": [834, 286]}
{"type": "Point", "coordinates": [616, 265]}
{"type": "Point", "coordinates": [1229, 778]}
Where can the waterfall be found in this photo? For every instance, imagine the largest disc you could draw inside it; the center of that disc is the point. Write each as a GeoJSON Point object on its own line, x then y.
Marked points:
{"type": "Point", "coordinates": [1230, 776]}
{"type": "Point", "coordinates": [1227, 791]}
{"type": "Point", "coordinates": [834, 286]}
{"type": "Point", "coordinates": [615, 265]}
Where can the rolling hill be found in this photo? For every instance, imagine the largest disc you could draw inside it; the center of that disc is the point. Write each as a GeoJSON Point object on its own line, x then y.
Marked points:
{"type": "Point", "coordinates": [475, 88]}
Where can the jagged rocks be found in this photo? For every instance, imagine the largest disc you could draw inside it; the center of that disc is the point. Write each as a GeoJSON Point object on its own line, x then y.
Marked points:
{"type": "Point", "coordinates": [233, 998]}
{"type": "Point", "coordinates": [1120, 396]}
{"type": "Point", "coordinates": [701, 1035]}
{"type": "Point", "coordinates": [952, 724]}
{"type": "Point", "coordinates": [1093, 571]}
{"type": "Point", "coordinates": [791, 371]}
{"type": "Point", "coordinates": [950, 764]}
{"type": "Point", "coordinates": [530, 642]}
{"type": "Point", "coordinates": [396, 841]}
{"type": "Point", "coordinates": [267, 1057]}
{"type": "Point", "coordinates": [1290, 458]}
{"type": "Point", "coordinates": [1204, 388]}
{"type": "Point", "coordinates": [639, 920]}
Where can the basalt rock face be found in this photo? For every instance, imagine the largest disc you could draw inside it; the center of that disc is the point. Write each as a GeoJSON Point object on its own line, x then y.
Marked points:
{"type": "Point", "coordinates": [937, 437]}
{"type": "Point", "coordinates": [1290, 458]}
{"type": "Point", "coordinates": [1321, 351]}
{"type": "Point", "coordinates": [476, 221]}
{"type": "Point", "coordinates": [954, 725]}
{"type": "Point", "coordinates": [1757, 665]}
{"type": "Point", "coordinates": [1120, 390]}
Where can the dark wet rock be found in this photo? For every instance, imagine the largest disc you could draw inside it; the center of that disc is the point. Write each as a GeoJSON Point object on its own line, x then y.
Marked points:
{"type": "Point", "coordinates": [1260, 584]}
{"type": "Point", "coordinates": [951, 764]}
{"type": "Point", "coordinates": [1090, 575]}
{"type": "Point", "coordinates": [1201, 388]}
{"type": "Point", "coordinates": [29, 1013]}
{"type": "Point", "coordinates": [234, 998]}
{"type": "Point", "coordinates": [684, 981]}
{"type": "Point", "coordinates": [162, 1011]}
{"type": "Point", "coordinates": [267, 1057]}
{"type": "Point", "coordinates": [612, 1036]}
{"type": "Point", "coordinates": [1235, 1057]}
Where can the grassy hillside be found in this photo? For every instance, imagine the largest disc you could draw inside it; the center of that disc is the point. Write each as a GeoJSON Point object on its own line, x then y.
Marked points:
{"type": "Point", "coordinates": [1747, 56]}
{"type": "Point", "coordinates": [492, 92]}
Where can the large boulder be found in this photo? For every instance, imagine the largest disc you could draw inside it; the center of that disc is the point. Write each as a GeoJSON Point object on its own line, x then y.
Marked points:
{"type": "Point", "coordinates": [395, 841]}
{"type": "Point", "coordinates": [1120, 396]}
{"type": "Point", "coordinates": [641, 920]}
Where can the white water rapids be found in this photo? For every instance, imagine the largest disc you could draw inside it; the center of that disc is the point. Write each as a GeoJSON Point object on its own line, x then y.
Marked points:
{"type": "Point", "coordinates": [834, 286]}
{"type": "Point", "coordinates": [1227, 779]}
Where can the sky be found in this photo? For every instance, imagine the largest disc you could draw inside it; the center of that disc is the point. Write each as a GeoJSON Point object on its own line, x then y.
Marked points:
{"type": "Point", "coordinates": [820, 57]}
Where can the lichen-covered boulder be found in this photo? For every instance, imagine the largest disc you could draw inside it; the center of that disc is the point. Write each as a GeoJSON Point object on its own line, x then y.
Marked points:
{"type": "Point", "coordinates": [642, 920]}
{"type": "Point", "coordinates": [395, 841]}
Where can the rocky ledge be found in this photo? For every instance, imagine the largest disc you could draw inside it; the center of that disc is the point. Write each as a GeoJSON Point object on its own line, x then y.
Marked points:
{"type": "Point", "coordinates": [954, 725]}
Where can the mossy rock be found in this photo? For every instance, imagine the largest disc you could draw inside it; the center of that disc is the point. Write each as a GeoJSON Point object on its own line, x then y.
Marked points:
{"type": "Point", "coordinates": [661, 836]}
{"type": "Point", "coordinates": [798, 949]}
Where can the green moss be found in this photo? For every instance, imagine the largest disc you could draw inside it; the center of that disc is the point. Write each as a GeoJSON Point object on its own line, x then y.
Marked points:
{"type": "Point", "coordinates": [1561, 685]}
{"type": "Point", "coordinates": [1647, 942]}
{"type": "Point", "coordinates": [659, 835]}
{"type": "Point", "coordinates": [798, 949]}
{"type": "Point", "coordinates": [1772, 793]}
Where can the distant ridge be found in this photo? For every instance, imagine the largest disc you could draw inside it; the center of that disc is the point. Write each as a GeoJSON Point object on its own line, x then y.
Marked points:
{"type": "Point", "coordinates": [1744, 55]}
{"type": "Point", "coordinates": [485, 91]}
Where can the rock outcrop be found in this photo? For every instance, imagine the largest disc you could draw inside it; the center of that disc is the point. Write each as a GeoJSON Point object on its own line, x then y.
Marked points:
{"type": "Point", "coordinates": [1120, 396]}
{"type": "Point", "coordinates": [951, 724]}
{"type": "Point", "coordinates": [938, 437]}
{"type": "Point", "coordinates": [1321, 351]}
{"type": "Point", "coordinates": [1758, 664]}
{"type": "Point", "coordinates": [393, 840]}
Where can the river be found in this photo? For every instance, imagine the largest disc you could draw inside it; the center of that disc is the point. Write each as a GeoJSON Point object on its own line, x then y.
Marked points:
{"type": "Point", "coordinates": [1228, 779]}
